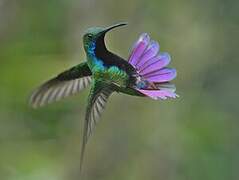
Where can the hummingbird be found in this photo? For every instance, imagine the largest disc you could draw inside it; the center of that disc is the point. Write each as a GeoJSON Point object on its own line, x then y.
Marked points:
{"type": "Point", "coordinates": [145, 74]}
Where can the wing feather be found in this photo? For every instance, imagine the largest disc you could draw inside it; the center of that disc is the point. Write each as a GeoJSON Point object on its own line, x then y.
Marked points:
{"type": "Point", "coordinates": [53, 91]}
{"type": "Point", "coordinates": [96, 109]}
{"type": "Point", "coordinates": [68, 83]}
{"type": "Point", "coordinates": [98, 100]}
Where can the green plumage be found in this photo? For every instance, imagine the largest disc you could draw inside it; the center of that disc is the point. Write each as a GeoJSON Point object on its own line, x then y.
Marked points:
{"type": "Point", "coordinates": [104, 71]}
{"type": "Point", "coordinates": [111, 75]}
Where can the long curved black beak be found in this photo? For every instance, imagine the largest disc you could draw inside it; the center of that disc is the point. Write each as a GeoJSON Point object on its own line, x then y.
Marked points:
{"type": "Point", "coordinates": [100, 40]}
{"type": "Point", "coordinates": [114, 26]}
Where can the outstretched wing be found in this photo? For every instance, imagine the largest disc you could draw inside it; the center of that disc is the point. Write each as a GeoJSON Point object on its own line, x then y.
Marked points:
{"type": "Point", "coordinates": [65, 84]}
{"type": "Point", "coordinates": [97, 101]}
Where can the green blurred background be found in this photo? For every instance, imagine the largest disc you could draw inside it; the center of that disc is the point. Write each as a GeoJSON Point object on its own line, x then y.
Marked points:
{"type": "Point", "coordinates": [195, 137]}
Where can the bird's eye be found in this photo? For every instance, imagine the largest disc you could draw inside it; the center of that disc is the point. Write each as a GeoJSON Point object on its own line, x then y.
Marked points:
{"type": "Point", "coordinates": [90, 36]}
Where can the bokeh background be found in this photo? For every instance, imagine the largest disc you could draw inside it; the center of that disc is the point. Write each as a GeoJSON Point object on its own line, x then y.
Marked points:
{"type": "Point", "coordinates": [192, 138]}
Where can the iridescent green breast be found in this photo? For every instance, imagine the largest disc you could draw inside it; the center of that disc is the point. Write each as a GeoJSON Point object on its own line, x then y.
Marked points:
{"type": "Point", "coordinates": [104, 72]}
{"type": "Point", "coordinates": [111, 75]}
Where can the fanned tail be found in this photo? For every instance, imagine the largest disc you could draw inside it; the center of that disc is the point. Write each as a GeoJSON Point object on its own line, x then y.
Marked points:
{"type": "Point", "coordinates": [151, 67]}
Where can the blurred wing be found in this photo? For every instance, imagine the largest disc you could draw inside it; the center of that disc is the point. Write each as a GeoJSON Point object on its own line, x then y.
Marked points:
{"type": "Point", "coordinates": [65, 84]}
{"type": "Point", "coordinates": [97, 107]}
{"type": "Point", "coordinates": [97, 102]}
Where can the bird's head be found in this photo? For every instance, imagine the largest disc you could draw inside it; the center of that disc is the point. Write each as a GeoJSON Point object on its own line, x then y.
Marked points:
{"type": "Point", "coordinates": [94, 37]}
